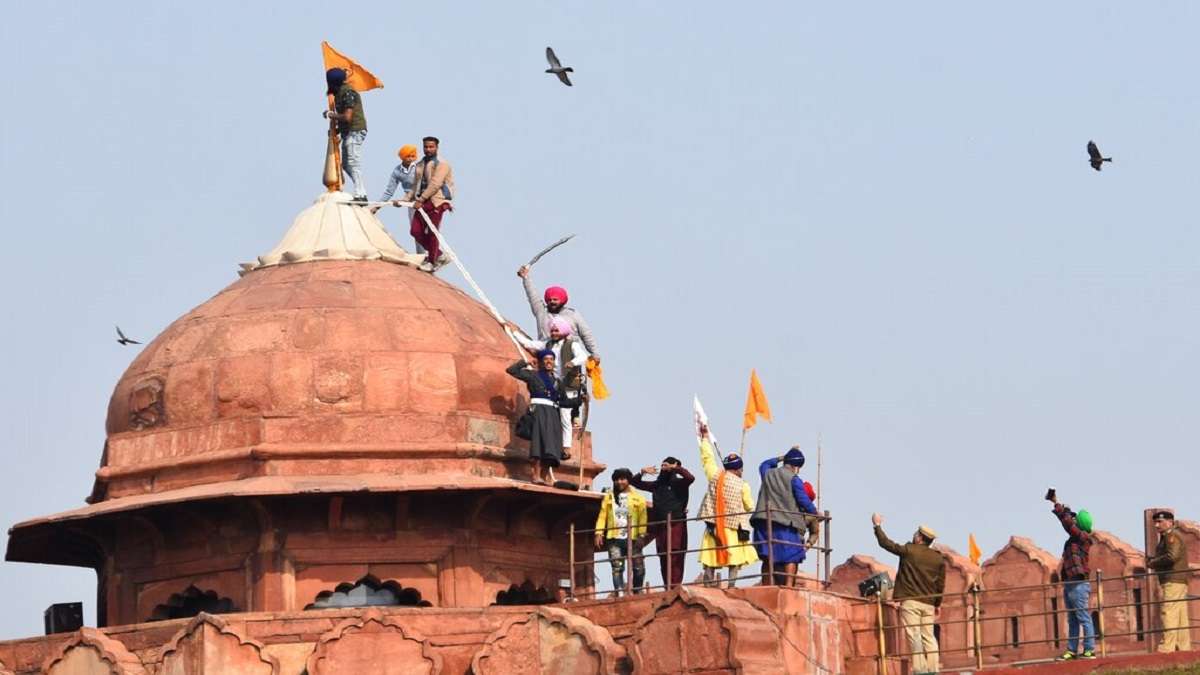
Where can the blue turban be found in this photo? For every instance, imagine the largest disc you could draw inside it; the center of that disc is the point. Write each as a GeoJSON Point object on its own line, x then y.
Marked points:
{"type": "Point", "coordinates": [335, 78]}
{"type": "Point", "coordinates": [732, 461]}
{"type": "Point", "coordinates": [544, 353]}
{"type": "Point", "coordinates": [794, 457]}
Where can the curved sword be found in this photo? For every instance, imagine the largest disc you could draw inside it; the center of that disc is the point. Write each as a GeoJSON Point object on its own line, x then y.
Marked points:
{"type": "Point", "coordinates": [549, 248]}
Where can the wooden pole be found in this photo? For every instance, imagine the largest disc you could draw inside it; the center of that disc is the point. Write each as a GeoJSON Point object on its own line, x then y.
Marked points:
{"type": "Point", "coordinates": [882, 637]}
{"type": "Point", "coordinates": [975, 627]}
{"type": "Point", "coordinates": [770, 545]}
{"type": "Point", "coordinates": [818, 505]}
{"type": "Point", "coordinates": [667, 581]}
{"type": "Point", "coordinates": [1099, 627]}
{"type": "Point", "coordinates": [572, 557]}
{"type": "Point", "coordinates": [742, 445]}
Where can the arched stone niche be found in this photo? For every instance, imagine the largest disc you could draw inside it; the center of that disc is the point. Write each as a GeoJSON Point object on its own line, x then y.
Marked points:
{"type": "Point", "coordinates": [373, 643]}
{"type": "Point", "coordinates": [208, 645]}
{"type": "Point", "coordinates": [704, 628]}
{"type": "Point", "coordinates": [91, 652]}
{"type": "Point", "coordinates": [550, 640]}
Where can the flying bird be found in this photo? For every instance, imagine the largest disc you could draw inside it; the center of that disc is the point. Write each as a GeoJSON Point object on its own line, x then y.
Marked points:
{"type": "Point", "coordinates": [556, 67]}
{"type": "Point", "coordinates": [121, 339]}
{"type": "Point", "coordinates": [1094, 157]}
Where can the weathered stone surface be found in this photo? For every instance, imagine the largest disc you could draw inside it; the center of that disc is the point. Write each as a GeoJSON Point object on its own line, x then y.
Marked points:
{"type": "Point", "coordinates": [550, 640]}
{"type": "Point", "coordinates": [91, 652]}
{"type": "Point", "coordinates": [705, 630]}
{"type": "Point", "coordinates": [208, 645]}
{"type": "Point", "coordinates": [373, 643]}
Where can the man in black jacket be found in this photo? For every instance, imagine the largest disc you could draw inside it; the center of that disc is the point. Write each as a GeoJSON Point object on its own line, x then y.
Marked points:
{"type": "Point", "coordinates": [670, 495]}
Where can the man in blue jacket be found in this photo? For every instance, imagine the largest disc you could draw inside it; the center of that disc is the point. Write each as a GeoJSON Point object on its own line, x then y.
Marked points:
{"type": "Point", "coordinates": [783, 492]}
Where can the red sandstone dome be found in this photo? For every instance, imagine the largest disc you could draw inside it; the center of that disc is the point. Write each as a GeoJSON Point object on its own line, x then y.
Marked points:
{"type": "Point", "coordinates": [319, 368]}
{"type": "Point", "coordinates": [335, 410]}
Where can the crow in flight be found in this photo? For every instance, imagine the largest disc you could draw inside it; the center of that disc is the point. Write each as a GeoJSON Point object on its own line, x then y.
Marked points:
{"type": "Point", "coordinates": [122, 340]}
{"type": "Point", "coordinates": [1094, 157]}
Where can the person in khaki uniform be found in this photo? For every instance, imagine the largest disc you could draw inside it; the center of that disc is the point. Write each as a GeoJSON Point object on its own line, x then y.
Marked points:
{"type": "Point", "coordinates": [920, 583]}
{"type": "Point", "coordinates": [1170, 561]}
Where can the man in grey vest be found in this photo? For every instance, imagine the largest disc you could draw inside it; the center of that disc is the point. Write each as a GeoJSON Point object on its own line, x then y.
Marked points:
{"type": "Point", "coordinates": [783, 494]}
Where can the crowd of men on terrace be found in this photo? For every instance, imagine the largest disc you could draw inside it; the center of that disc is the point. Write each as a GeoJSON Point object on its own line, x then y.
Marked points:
{"type": "Point", "coordinates": [739, 529]}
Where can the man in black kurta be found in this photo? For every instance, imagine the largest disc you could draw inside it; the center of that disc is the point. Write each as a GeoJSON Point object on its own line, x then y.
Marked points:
{"type": "Point", "coordinates": [670, 491]}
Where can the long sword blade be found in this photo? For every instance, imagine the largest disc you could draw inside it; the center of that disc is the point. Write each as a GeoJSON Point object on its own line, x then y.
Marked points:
{"type": "Point", "coordinates": [551, 247]}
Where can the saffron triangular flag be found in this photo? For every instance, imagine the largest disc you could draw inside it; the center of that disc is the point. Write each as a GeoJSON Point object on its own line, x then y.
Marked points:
{"type": "Point", "coordinates": [973, 551]}
{"type": "Point", "coordinates": [359, 78]}
{"type": "Point", "coordinates": [756, 403]}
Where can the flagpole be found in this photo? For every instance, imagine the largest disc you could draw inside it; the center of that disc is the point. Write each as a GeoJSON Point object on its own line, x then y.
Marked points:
{"type": "Point", "coordinates": [742, 445]}
{"type": "Point", "coordinates": [818, 504]}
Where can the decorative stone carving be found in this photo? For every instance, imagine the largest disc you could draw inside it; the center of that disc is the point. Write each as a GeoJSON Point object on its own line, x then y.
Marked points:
{"type": "Point", "coordinates": [703, 629]}
{"type": "Point", "coordinates": [208, 645]}
{"type": "Point", "coordinates": [550, 640]}
{"type": "Point", "coordinates": [373, 643]}
{"type": "Point", "coordinates": [91, 652]}
{"type": "Point", "coordinates": [146, 407]}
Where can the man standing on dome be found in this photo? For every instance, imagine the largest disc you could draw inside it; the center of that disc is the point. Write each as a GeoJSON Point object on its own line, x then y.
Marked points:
{"type": "Point", "coordinates": [351, 125]}
{"type": "Point", "coordinates": [553, 303]}
{"type": "Point", "coordinates": [432, 193]}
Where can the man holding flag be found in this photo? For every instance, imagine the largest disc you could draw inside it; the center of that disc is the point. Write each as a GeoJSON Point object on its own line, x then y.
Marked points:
{"type": "Point", "coordinates": [726, 514]}
{"type": "Point", "coordinates": [344, 79]}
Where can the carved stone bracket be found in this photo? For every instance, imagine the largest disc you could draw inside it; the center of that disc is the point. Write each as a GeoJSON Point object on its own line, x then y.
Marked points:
{"type": "Point", "coordinates": [550, 640]}
{"type": "Point", "coordinates": [91, 651]}
{"type": "Point", "coordinates": [703, 627]}
{"type": "Point", "coordinates": [208, 645]}
{"type": "Point", "coordinates": [373, 643]}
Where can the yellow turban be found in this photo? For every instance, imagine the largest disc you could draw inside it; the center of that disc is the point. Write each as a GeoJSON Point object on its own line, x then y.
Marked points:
{"type": "Point", "coordinates": [408, 152]}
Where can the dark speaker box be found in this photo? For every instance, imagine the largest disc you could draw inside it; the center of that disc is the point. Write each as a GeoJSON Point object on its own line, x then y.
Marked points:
{"type": "Point", "coordinates": [63, 617]}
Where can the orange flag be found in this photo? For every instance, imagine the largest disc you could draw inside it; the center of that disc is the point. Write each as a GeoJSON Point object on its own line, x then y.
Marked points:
{"type": "Point", "coordinates": [359, 78]}
{"type": "Point", "coordinates": [756, 403]}
{"type": "Point", "coordinates": [973, 551]}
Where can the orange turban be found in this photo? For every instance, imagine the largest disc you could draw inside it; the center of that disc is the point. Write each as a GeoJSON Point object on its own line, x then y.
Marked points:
{"type": "Point", "coordinates": [408, 152]}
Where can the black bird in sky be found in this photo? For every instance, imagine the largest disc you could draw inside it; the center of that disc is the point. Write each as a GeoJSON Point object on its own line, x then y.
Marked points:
{"type": "Point", "coordinates": [121, 339]}
{"type": "Point", "coordinates": [557, 68]}
{"type": "Point", "coordinates": [1094, 157]}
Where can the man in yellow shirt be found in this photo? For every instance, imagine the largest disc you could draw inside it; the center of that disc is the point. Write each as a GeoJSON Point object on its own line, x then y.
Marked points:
{"type": "Point", "coordinates": [620, 528]}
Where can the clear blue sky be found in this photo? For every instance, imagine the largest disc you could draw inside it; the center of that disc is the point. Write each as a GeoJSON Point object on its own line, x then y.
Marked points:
{"type": "Point", "coordinates": [884, 209]}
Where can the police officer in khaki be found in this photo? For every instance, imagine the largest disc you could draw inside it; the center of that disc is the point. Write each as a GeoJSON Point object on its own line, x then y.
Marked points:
{"type": "Point", "coordinates": [1170, 561]}
{"type": "Point", "coordinates": [920, 583]}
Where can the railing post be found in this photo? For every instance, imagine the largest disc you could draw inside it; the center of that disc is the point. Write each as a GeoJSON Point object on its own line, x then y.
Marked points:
{"type": "Point", "coordinates": [629, 556]}
{"type": "Point", "coordinates": [828, 546]}
{"type": "Point", "coordinates": [571, 594]}
{"type": "Point", "coordinates": [770, 546]}
{"type": "Point", "coordinates": [667, 581]}
{"type": "Point", "coordinates": [1099, 627]}
{"type": "Point", "coordinates": [975, 626]}
{"type": "Point", "coordinates": [880, 634]}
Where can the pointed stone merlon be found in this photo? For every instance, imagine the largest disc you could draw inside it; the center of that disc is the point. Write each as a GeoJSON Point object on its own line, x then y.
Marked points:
{"type": "Point", "coordinates": [334, 228]}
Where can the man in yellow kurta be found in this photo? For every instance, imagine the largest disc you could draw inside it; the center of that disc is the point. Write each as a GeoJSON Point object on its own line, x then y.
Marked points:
{"type": "Point", "coordinates": [726, 513]}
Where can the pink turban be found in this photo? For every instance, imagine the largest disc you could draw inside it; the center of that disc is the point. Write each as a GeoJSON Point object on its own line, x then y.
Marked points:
{"type": "Point", "coordinates": [556, 293]}
{"type": "Point", "coordinates": [561, 324]}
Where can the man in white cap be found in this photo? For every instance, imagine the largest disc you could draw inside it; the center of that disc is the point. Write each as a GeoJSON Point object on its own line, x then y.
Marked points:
{"type": "Point", "coordinates": [919, 586]}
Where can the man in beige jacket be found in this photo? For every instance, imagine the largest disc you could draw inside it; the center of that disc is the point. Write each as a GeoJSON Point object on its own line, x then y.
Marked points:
{"type": "Point", "coordinates": [432, 194]}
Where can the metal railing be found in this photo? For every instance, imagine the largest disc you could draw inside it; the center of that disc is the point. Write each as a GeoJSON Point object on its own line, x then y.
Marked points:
{"type": "Point", "coordinates": [630, 556]}
{"type": "Point", "coordinates": [972, 598]}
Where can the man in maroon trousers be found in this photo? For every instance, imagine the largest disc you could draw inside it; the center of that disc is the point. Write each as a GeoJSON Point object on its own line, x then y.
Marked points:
{"type": "Point", "coordinates": [670, 495]}
{"type": "Point", "coordinates": [433, 194]}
